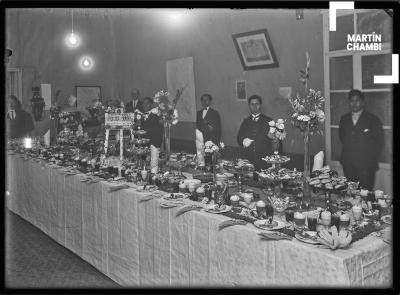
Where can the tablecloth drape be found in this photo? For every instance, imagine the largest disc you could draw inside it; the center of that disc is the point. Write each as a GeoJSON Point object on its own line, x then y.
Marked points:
{"type": "Point", "coordinates": [141, 244]}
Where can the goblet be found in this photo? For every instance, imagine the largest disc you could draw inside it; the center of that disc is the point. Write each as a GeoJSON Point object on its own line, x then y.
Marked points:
{"type": "Point", "coordinates": [279, 205]}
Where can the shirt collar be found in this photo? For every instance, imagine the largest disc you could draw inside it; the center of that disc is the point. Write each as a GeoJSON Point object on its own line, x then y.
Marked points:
{"type": "Point", "coordinates": [357, 113]}
{"type": "Point", "coordinates": [256, 115]}
{"type": "Point", "coordinates": [206, 109]}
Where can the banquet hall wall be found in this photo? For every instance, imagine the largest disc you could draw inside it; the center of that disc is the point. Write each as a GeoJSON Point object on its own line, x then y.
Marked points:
{"type": "Point", "coordinates": [131, 47]}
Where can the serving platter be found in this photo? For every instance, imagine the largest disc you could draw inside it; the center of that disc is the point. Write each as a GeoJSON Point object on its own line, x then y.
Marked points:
{"type": "Point", "coordinates": [264, 224]}
{"type": "Point", "coordinates": [211, 209]}
{"type": "Point", "coordinates": [306, 239]}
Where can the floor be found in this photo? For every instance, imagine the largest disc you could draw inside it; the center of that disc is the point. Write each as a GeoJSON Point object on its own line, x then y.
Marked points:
{"type": "Point", "coordinates": [34, 260]}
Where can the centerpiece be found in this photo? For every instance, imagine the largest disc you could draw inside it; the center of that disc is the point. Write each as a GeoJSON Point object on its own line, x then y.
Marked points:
{"type": "Point", "coordinates": [307, 115]}
{"type": "Point", "coordinates": [212, 152]}
{"type": "Point", "coordinates": [165, 107]}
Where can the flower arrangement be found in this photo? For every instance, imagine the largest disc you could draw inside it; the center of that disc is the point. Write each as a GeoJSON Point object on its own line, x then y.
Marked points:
{"type": "Point", "coordinates": [114, 110]}
{"type": "Point", "coordinates": [211, 148]}
{"type": "Point", "coordinates": [54, 112]}
{"type": "Point", "coordinates": [307, 111]}
{"type": "Point", "coordinates": [277, 129]}
{"type": "Point", "coordinates": [97, 109]}
{"type": "Point", "coordinates": [166, 107]}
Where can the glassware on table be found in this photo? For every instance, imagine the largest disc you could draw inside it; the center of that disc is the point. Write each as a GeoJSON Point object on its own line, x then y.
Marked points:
{"type": "Point", "coordinates": [312, 221]}
{"type": "Point", "coordinates": [234, 200]}
{"type": "Point", "coordinates": [289, 215]}
{"type": "Point", "coordinates": [191, 187]}
{"type": "Point", "coordinates": [182, 187]}
{"type": "Point", "coordinates": [326, 217]}
{"type": "Point", "coordinates": [299, 219]}
{"type": "Point", "coordinates": [279, 205]}
{"type": "Point", "coordinates": [357, 213]}
{"type": "Point", "coordinates": [144, 173]}
{"type": "Point", "coordinates": [261, 209]}
{"type": "Point", "coordinates": [335, 221]}
{"type": "Point", "coordinates": [269, 210]}
{"type": "Point", "coordinates": [247, 197]}
{"type": "Point", "coordinates": [344, 221]}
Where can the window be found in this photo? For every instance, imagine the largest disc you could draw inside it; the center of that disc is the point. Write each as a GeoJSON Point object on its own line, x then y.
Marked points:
{"type": "Point", "coordinates": [345, 70]}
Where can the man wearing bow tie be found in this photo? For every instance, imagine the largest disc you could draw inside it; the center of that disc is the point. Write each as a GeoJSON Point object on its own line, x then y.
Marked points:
{"type": "Point", "coordinates": [19, 122]}
{"type": "Point", "coordinates": [361, 134]}
{"type": "Point", "coordinates": [136, 103]}
{"type": "Point", "coordinates": [208, 120]}
{"type": "Point", "coordinates": [253, 134]}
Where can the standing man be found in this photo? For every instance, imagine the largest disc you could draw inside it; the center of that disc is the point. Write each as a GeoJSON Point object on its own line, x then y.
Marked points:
{"type": "Point", "coordinates": [19, 122]}
{"type": "Point", "coordinates": [208, 120]}
{"type": "Point", "coordinates": [253, 134]}
{"type": "Point", "coordinates": [135, 103]}
{"type": "Point", "coordinates": [361, 134]}
{"type": "Point", "coordinates": [151, 123]}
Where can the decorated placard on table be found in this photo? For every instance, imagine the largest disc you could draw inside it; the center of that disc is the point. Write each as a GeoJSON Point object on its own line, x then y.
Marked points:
{"type": "Point", "coordinates": [119, 121]}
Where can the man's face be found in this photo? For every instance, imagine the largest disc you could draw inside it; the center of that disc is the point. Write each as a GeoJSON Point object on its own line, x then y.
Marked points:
{"type": "Point", "coordinates": [356, 103]}
{"type": "Point", "coordinates": [146, 105]}
{"type": "Point", "coordinates": [254, 106]}
{"type": "Point", "coordinates": [205, 102]}
{"type": "Point", "coordinates": [12, 104]}
{"type": "Point", "coordinates": [135, 94]}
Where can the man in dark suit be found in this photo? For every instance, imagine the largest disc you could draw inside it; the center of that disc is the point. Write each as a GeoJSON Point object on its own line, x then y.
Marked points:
{"type": "Point", "coordinates": [208, 120]}
{"type": "Point", "coordinates": [361, 134]}
{"type": "Point", "coordinates": [151, 123]}
{"type": "Point", "coordinates": [136, 103]}
{"type": "Point", "coordinates": [19, 122]}
{"type": "Point", "coordinates": [253, 134]}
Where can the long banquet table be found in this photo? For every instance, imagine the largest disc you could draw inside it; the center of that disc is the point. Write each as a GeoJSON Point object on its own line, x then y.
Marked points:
{"type": "Point", "coordinates": [140, 244]}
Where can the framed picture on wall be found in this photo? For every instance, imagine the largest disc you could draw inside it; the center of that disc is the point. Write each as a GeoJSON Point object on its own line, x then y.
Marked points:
{"type": "Point", "coordinates": [86, 95]}
{"type": "Point", "coordinates": [241, 90]}
{"type": "Point", "coordinates": [255, 50]}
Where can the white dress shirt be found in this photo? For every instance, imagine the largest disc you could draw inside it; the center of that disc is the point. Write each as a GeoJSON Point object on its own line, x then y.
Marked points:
{"type": "Point", "coordinates": [255, 117]}
{"type": "Point", "coordinates": [355, 116]}
{"type": "Point", "coordinates": [12, 114]}
{"type": "Point", "coordinates": [205, 112]}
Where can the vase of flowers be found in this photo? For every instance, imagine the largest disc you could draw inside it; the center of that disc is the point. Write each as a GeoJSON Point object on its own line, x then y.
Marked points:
{"type": "Point", "coordinates": [165, 108]}
{"type": "Point", "coordinates": [277, 133]}
{"type": "Point", "coordinates": [212, 152]}
{"type": "Point", "coordinates": [307, 114]}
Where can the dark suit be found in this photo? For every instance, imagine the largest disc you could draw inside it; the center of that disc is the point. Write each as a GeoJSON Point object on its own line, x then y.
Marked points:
{"type": "Point", "coordinates": [21, 125]}
{"type": "Point", "coordinates": [262, 145]}
{"type": "Point", "coordinates": [210, 126]}
{"type": "Point", "coordinates": [154, 129]}
{"type": "Point", "coordinates": [361, 147]}
{"type": "Point", "coordinates": [130, 109]}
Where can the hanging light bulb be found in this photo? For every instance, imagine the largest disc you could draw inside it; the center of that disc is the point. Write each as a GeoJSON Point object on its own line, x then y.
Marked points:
{"type": "Point", "coordinates": [86, 63]}
{"type": "Point", "coordinates": [72, 40]}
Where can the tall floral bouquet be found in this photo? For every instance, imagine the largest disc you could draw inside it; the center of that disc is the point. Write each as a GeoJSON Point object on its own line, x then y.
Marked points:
{"type": "Point", "coordinates": [166, 107]}
{"type": "Point", "coordinates": [307, 111]}
{"type": "Point", "coordinates": [212, 152]}
{"type": "Point", "coordinates": [307, 114]}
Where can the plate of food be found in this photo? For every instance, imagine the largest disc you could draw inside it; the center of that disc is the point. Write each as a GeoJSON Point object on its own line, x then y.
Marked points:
{"type": "Point", "coordinates": [175, 196]}
{"type": "Point", "coordinates": [309, 237]}
{"type": "Point", "coordinates": [269, 224]}
{"type": "Point", "coordinates": [387, 219]}
{"type": "Point", "coordinates": [216, 209]}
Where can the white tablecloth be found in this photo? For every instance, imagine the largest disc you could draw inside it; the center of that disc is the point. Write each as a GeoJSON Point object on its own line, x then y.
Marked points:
{"type": "Point", "coordinates": [141, 244]}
